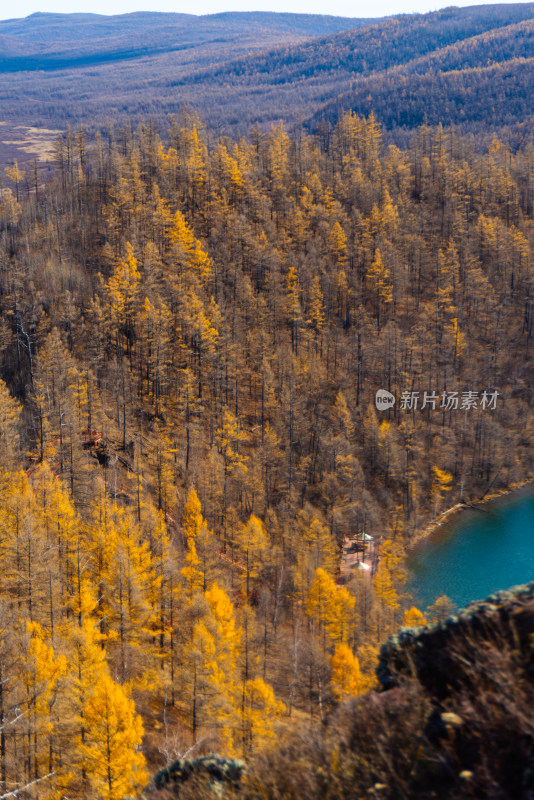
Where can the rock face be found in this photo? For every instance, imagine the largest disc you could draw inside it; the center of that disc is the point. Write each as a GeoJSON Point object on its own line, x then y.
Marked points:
{"type": "Point", "coordinates": [437, 655]}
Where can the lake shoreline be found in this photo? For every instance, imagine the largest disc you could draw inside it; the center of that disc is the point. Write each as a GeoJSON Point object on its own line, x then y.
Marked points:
{"type": "Point", "coordinates": [447, 516]}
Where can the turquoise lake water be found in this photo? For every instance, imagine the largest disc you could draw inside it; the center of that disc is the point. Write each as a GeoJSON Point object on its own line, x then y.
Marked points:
{"type": "Point", "coordinates": [481, 552]}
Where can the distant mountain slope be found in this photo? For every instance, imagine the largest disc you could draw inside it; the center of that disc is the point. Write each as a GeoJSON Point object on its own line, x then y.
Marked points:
{"type": "Point", "coordinates": [493, 46]}
{"type": "Point", "coordinates": [374, 47]}
{"type": "Point", "coordinates": [372, 65]}
{"type": "Point", "coordinates": [469, 66]}
{"type": "Point", "coordinates": [486, 78]}
{"type": "Point", "coordinates": [59, 41]}
{"type": "Point", "coordinates": [87, 68]}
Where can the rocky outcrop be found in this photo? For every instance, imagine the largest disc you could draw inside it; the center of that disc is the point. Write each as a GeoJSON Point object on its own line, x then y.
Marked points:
{"type": "Point", "coordinates": [214, 771]}
{"type": "Point", "coordinates": [438, 655]}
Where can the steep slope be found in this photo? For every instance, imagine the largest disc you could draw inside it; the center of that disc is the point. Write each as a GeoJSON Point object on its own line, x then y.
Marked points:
{"type": "Point", "coordinates": [179, 314]}
{"type": "Point", "coordinates": [455, 722]}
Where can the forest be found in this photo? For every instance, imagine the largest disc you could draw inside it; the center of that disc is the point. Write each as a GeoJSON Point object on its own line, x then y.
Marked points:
{"type": "Point", "coordinates": [236, 70]}
{"type": "Point", "coordinates": [192, 338]}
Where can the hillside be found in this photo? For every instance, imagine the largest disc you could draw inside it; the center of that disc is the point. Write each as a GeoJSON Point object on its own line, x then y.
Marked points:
{"type": "Point", "coordinates": [193, 336]}
{"type": "Point", "coordinates": [376, 47]}
{"type": "Point", "coordinates": [240, 69]}
{"type": "Point", "coordinates": [205, 503]}
{"type": "Point", "coordinates": [59, 41]}
{"type": "Point", "coordinates": [62, 69]}
{"type": "Point", "coordinates": [469, 83]}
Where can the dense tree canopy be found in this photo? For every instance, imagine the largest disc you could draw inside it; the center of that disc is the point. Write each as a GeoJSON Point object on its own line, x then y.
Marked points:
{"type": "Point", "coordinates": [192, 341]}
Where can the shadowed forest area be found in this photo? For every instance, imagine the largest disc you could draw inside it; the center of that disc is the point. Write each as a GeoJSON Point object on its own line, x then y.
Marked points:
{"type": "Point", "coordinates": [193, 334]}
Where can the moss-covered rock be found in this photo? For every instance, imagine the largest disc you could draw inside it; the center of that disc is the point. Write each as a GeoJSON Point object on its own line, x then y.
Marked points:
{"type": "Point", "coordinates": [214, 772]}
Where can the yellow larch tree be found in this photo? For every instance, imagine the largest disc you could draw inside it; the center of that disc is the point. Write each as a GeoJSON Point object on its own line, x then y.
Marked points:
{"type": "Point", "coordinates": [195, 161]}
{"type": "Point", "coordinates": [316, 312]}
{"type": "Point", "coordinates": [192, 523]}
{"type": "Point", "coordinates": [52, 397]}
{"type": "Point", "coordinates": [164, 586]}
{"type": "Point", "coordinates": [224, 628]}
{"type": "Point", "coordinates": [42, 672]}
{"type": "Point", "coordinates": [342, 614]}
{"type": "Point", "coordinates": [87, 663]}
{"type": "Point", "coordinates": [347, 679]}
{"type": "Point", "coordinates": [337, 244]}
{"type": "Point", "coordinates": [229, 437]}
{"type": "Point", "coordinates": [332, 606]}
{"type": "Point", "coordinates": [204, 322]}
{"type": "Point", "coordinates": [261, 711]}
{"type": "Point", "coordinates": [201, 546]}
{"type": "Point", "coordinates": [122, 290]}
{"type": "Point", "coordinates": [10, 208]}
{"type": "Point", "coordinates": [134, 618]}
{"type": "Point", "coordinates": [441, 609]}
{"type": "Point", "coordinates": [315, 548]}
{"type": "Point", "coordinates": [384, 218]}
{"type": "Point", "coordinates": [293, 307]}
{"type": "Point", "coordinates": [209, 674]}
{"type": "Point", "coordinates": [253, 544]}
{"type": "Point", "coordinates": [192, 519]}
{"type": "Point", "coordinates": [192, 571]}
{"type": "Point", "coordinates": [162, 219]}
{"type": "Point", "coordinates": [368, 659]}
{"type": "Point", "coordinates": [456, 336]}
{"type": "Point", "coordinates": [441, 483]}
{"type": "Point", "coordinates": [197, 690]}
{"type": "Point", "coordinates": [385, 588]}
{"type": "Point", "coordinates": [227, 637]}
{"type": "Point", "coordinates": [388, 581]}
{"type": "Point", "coordinates": [379, 279]}
{"type": "Point", "coordinates": [413, 618]}
{"type": "Point", "coordinates": [162, 460]}
{"type": "Point", "coordinates": [188, 251]}
{"type": "Point", "coordinates": [278, 159]}
{"type": "Point", "coordinates": [156, 334]}
{"type": "Point", "coordinates": [113, 734]}
{"type": "Point", "coordinates": [16, 175]}
{"type": "Point", "coordinates": [229, 172]}
{"type": "Point", "coordinates": [181, 245]}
